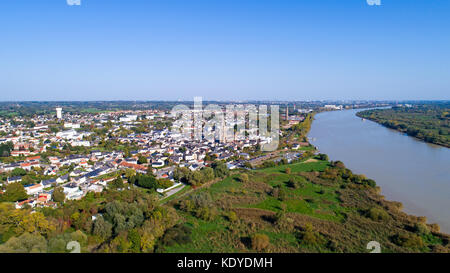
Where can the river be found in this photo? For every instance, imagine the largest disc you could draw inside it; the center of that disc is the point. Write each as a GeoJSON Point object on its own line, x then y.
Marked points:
{"type": "Point", "coordinates": [407, 170]}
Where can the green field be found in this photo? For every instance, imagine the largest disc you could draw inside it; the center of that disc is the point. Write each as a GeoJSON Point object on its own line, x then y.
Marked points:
{"type": "Point", "coordinates": [335, 208]}
{"type": "Point", "coordinates": [299, 167]}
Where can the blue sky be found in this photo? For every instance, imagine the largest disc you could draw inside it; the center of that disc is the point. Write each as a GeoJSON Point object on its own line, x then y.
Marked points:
{"type": "Point", "coordinates": [226, 50]}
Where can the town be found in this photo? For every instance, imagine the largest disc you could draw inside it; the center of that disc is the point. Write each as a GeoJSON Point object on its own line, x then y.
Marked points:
{"type": "Point", "coordinates": [79, 154]}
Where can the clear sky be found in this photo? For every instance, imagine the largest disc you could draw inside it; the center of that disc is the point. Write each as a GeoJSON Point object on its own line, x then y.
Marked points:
{"type": "Point", "coordinates": [226, 50]}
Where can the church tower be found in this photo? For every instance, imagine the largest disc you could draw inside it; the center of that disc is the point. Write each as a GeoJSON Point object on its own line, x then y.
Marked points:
{"type": "Point", "coordinates": [287, 112]}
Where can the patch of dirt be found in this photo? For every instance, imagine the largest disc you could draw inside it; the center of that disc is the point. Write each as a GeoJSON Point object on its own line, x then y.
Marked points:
{"type": "Point", "coordinates": [310, 160]}
{"type": "Point", "coordinates": [257, 186]}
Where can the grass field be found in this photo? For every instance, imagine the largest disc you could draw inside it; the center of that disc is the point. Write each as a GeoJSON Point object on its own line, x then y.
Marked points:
{"type": "Point", "coordinates": [337, 213]}
{"type": "Point", "coordinates": [299, 167]}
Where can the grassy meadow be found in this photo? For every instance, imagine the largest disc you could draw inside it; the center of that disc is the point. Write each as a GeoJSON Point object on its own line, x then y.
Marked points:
{"type": "Point", "coordinates": [312, 206]}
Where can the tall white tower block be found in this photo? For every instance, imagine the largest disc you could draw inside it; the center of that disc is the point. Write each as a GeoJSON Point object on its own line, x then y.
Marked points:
{"type": "Point", "coordinates": [59, 113]}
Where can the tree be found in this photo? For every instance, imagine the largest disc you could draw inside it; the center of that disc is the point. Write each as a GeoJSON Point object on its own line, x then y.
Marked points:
{"type": "Point", "coordinates": [5, 149]}
{"type": "Point", "coordinates": [14, 192]}
{"type": "Point", "coordinates": [196, 179]}
{"type": "Point", "coordinates": [129, 173]}
{"type": "Point", "coordinates": [117, 183]}
{"type": "Point", "coordinates": [146, 181]}
{"type": "Point", "coordinates": [208, 173]}
{"type": "Point", "coordinates": [220, 169]}
{"type": "Point", "coordinates": [123, 216]}
{"type": "Point", "coordinates": [142, 160]}
{"type": "Point", "coordinates": [164, 183]}
{"type": "Point", "coordinates": [182, 174]}
{"type": "Point", "coordinates": [102, 228]}
{"type": "Point", "coordinates": [35, 223]}
{"type": "Point", "coordinates": [18, 172]}
{"type": "Point", "coordinates": [135, 240]}
{"type": "Point", "coordinates": [323, 157]}
{"type": "Point", "coordinates": [25, 243]}
{"type": "Point", "coordinates": [58, 195]}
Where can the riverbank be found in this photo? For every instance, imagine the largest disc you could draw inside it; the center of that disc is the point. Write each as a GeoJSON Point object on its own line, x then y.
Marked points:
{"type": "Point", "coordinates": [410, 171]}
{"type": "Point", "coordinates": [423, 123]}
{"type": "Point", "coordinates": [309, 206]}
{"type": "Point", "coordinates": [314, 205]}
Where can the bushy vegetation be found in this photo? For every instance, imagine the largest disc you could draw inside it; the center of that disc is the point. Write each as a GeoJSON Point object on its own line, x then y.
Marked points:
{"type": "Point", "coordinates": [147, 181]}
{"type": "Point", "coordinates": [377, 214]}
{"type": "Point", "coordinates": [200, 177]}
{"type": "Point", "coordinates": [179, 234]}
{"type": "Point", "coordinates": [408, 240]}
{"type": "Point", "coordinates": [430, 122]}
{"type": "Point", "coordinates": [111, 221]}
{"type": "Point", "coordinates": [260, 242]}
{"type": "Point", "coordinates": [317, 207]}
{"type": "Point", "coordinates": [14, 192]}
{"type": "Point", "coordinates": [5, 149]}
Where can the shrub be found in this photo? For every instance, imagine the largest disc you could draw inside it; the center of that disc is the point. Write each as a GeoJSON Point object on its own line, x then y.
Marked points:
{"type": "Point", "coordinates": [275, 192]}
{"type": "Point", "coordinates": [371, 183]}
{"type": "Point", "coordinates": [205, 213]}
{"type": "Point", "coordinates": [260, 241]}
{"type": "Point", "coordinates": [164, 183]}
{"type": "Point", "coordinates": [377, 214]}
{"type": "Point", "coordinates": [178, 234]}
{"type": "Point", "coordinates": [268, 164]}
{"type": "Point", "coordinates": [244, 178]}
{"type": "Point", "coordinates": [338, 164]}
{"type": "Point", "coordinates": [408, 240]}
{"type": "Point", "coordinates": [232, 217]}
{"type": "Point", "coordinates": [292, 184]}
{"type": "Point", "coordinates": [323, 157]}
{"type": "Point", "coordinates": [421, 228]}
{"type": "Point", "coordinates": [309, 236]}
{"type": "Point", "coordinates": [435, 227]}
{"type": "Point", "coordinates": [282, 195]}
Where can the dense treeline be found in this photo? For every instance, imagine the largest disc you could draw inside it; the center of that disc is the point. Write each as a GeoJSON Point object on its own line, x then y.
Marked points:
{"type": "Point", "coordinates": [120, 219]}
{"type": "Point", "coordinates": [5, 149]}
{"type": "Point", "coordinates": [303, 127]}
{"type": "Point", "coordinates": [112, 221]}
{"type": "Point", "coordinates": [28, 109]}
{"type": "Point", "coordinates": [199, 177]}
{"type": "Point", "coordinates": [430, 123]}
